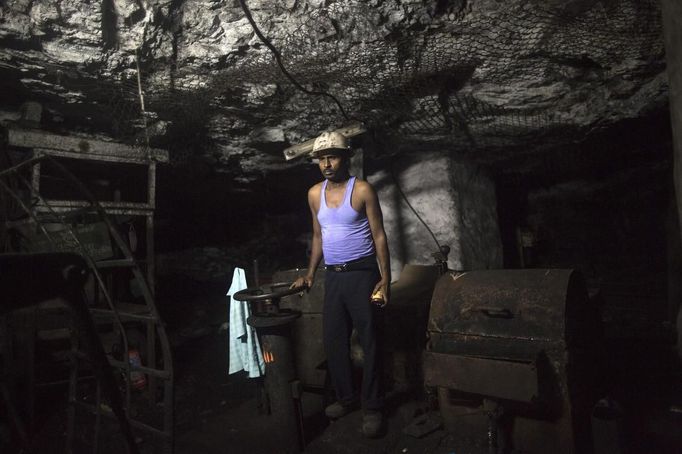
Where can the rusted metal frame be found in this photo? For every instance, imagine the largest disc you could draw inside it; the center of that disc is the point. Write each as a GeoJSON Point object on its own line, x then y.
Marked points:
{"type": "Point", "coordinates": [89, 148]}
{"type": "Point", "coordinates": [168, 395]}
{"type": "Point", "coordinates": [93, 266]}
{"type": "Point", "coordinates": [482, 376]}
{"type": "Point", "coordinates": [149, 299]}
{"type": "Point", "coordinates": [123, 247]}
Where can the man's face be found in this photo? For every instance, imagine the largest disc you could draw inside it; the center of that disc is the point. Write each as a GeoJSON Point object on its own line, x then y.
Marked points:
{"type": "Point", "coordinates": [333, 165]}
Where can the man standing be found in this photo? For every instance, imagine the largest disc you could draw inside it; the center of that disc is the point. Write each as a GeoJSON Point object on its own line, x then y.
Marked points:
{"type": "Point", "coordinates": [348, 230]}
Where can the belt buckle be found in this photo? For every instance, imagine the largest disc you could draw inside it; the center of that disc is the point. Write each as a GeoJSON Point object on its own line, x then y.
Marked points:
{"type": "Point", "coordinates": [340, 268]}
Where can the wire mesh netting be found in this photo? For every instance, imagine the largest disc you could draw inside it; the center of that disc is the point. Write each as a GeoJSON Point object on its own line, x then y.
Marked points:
{"type": "Point", "coordinates": [466, 76]}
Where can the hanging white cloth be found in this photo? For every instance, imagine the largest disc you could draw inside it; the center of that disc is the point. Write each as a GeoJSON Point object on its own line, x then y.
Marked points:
{"type": "Point", "coordinates": [245, 352]}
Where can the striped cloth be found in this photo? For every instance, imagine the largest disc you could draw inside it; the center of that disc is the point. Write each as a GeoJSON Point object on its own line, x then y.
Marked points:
{"type": "Point", "coordinates": [245, 353]}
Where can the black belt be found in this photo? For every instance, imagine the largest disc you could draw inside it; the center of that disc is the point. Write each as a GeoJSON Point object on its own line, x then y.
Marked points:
{"type": "Point", "coordinates": [363, 263]}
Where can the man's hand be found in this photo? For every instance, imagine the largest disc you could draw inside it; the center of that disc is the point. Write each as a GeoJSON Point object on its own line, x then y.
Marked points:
{"type": "Point", "coordinates": [304, 281]}
{"type": "Point", "coordinates": [385, 289]}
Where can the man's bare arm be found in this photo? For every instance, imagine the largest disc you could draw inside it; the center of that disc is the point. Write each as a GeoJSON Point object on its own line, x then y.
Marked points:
{"type": "Point", "coordinates": [376, 225]}
{"type": "Point", "coordinates": [316, 249]}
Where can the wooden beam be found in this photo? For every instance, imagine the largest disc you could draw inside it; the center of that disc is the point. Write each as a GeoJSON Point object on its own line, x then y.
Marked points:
{"type": "Point", "coordinates": [76, 146]}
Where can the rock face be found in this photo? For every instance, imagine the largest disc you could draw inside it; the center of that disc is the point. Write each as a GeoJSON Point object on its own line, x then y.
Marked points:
{"type": "Point", "coordinates": [477, 75]}
{"type": "Point", "coordinates": [456, 201]}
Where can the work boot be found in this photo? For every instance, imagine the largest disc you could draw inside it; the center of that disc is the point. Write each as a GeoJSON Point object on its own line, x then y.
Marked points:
{"type": "Point", "coordinates": [339, 409]}
{"type": "Point", "coordinates": [372, 423]}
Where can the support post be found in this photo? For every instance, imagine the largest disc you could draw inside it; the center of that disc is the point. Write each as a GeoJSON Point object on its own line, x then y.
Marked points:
{"type": "Point", "coordinates": [672, 28]}
{"type": "Point", "coordinates": [672, 31]}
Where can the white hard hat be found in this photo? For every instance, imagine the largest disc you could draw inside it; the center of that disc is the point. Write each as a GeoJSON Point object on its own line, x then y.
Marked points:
{"type": "Point", "coordinates": [330, 141]}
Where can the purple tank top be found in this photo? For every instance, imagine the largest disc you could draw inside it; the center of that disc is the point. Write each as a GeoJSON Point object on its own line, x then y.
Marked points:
{"type": "Point", "coordinates": [346, 234]}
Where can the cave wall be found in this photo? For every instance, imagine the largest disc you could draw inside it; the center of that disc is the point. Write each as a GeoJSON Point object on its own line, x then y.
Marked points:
{"type": "Point", "coordinates": [615, 230]}
{"type": "Point", "coordinates": [456, 201]}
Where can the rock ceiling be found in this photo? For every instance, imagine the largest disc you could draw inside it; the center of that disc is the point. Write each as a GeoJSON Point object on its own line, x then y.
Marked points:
{"type": "Point", "coordinates": [463, 75]}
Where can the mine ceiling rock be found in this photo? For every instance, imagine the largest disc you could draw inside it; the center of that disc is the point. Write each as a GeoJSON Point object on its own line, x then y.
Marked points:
{"type": "Point", "coordinates": [458, 75]}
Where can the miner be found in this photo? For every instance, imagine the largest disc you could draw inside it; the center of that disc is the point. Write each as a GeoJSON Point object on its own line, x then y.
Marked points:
{"type": "Point", "coordinates": [348, 232]}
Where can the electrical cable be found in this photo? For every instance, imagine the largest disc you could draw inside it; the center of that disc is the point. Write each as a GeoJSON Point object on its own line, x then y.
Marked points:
{"type": "Point", "coordinates": [278, 58]}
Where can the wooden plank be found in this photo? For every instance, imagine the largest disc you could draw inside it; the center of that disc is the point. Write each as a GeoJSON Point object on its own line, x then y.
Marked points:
{"type": "Point", "coordinates": [107, 205]}
{"type": "Point", "coordinates": [80, 146]}
{"type": "Point", "coordinates": [92, 156]}
{"type": "Point", "coordinates": [70, 210]}
{"type": "Point", "coordinates": [485, 376]}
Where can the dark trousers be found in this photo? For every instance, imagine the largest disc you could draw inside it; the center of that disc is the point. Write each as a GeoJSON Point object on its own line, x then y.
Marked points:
{"type": "Point", "coordinates": [347, 305]}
